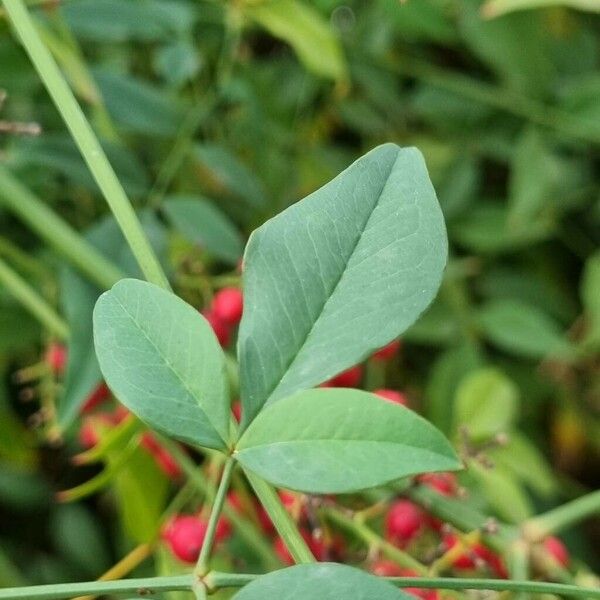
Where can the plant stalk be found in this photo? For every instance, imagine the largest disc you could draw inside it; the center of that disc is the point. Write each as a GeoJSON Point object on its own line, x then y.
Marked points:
{"type": "Point", "coordinates": [537, 528]}
{"type": "Point", "coordinates": [86, 140]}
{"type": "Point", "coordinates": [282, 521]}
{"type": "Point", "coordinates": [217, 507]}
{"type": "Point", "coordinates": [21, 202]}
{"type": "Point", "coordinates": [32, 301]}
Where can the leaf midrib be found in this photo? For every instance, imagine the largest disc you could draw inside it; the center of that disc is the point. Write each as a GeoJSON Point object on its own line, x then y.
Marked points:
{"type": "Point", "coordinates": [343, 271]}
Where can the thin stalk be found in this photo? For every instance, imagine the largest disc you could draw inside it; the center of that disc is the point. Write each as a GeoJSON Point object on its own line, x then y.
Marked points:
{"type": "Point", "coordinates": [518, 565]}
{"type": "Point", "coordinates": [57, 233]}
{"type": "Point", "coordinates": [217, 507]}
{"type": "Point", "coordinates": [282, 521]}
{"type": "Point", "coordinates": [32, 301]}
{"type": "Point", "coordinates": [129, 562]}
{"type": "Point", "coordinates": [247, 530]}
{"type": "Point", "coordinates": [218, 580]}
{"type": "Point", "coordinates": [564, 516]}
{"type": "Point", "coordinates": [371, 539]}
{"type": "Point", "coordinates": [86, 140]}
{"type": "Point", "coordinates": [139, 587]}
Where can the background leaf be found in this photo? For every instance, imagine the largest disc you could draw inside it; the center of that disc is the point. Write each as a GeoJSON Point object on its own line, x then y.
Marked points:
{"type": "Point", "coordinates": [340, 440]}
{"type": "Point", "coordinates": [301, 26]}
{"type": "Point", "coordinates": [199, 221]}
{"type": "Point", "coordinates": [522, 329]}
{"type": "Point", "coordinates": [338, 275]}
{"type": "Point", "coordinates": [162, 360]}
{"type": "Point", "coordinates": [486, 403]}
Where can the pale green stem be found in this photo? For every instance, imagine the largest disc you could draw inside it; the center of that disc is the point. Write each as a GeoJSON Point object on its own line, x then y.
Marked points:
{"type": "Point", "coordinates": [562, 517]}
{"type": "Point", "coordinates": [86, 140]}
{"type": "Point", "coordinates": [282, 521]}
{"type": "Point", "coordinates": [20, 201]}
{"type": "Point", "coordinates": [32, 301]}
{"type": "Point", "coordinates": [216, 580]}
{"type": "Point", "coordinates": [215, 515]}
{"type": "Point", "coordinates": [369, 537]}
{"type": "Point", "coordinates": [137, 587]}
{"type": "Point", "coordinates": [246, 529]}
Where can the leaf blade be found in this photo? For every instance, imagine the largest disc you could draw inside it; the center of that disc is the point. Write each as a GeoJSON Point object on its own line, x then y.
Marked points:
{"type": "Point", "coordinates": [339, 275]}
{"type": "Point", "coordinates": [326, 581]}
{"type": "Point", "coordinates": [306, 441]}
{"type": "Point", "coordinates": [177, 389]}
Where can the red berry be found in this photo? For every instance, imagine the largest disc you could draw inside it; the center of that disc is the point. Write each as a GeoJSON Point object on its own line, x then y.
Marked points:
{"type": "Point", "coordinates": [56, 357]}
{"type": "Point", "coordinates": [223, 530]}
{"type": "Point", "coordinates": [96, 397]}
{"type": "Point", "coordinates": [472, 558]}
{"type": "Point", "coordinates": [264, 519]}
{"type": "Point", "coordinates": [443, 483]}
{"type": "Point", "coordinates": [387, 352]}
{"type": "Point", "coordinates": [236, 409]}
{"type": "Point", "coordinates": [185, 536]}
{"type": "Point", "coordinates": [293, 503]}
{"type": "Point", "coordinates": [386, 568]}
{"type": "Point", "coordinates": [349, 378]}
{"type": "Point", "coordinates": [88, 436]}
{"type": "Point", "coordinates": [91, 429]}
{"type": "Point", "coordinates": [228, 305]}
{"type": "Point", "coordinates": [315, 545]}
{"type": "Point", "coordinates": [557, 550]}
{"type": "Point", "coordinates": [392, 396]}
{"type": "Point", "coordinates": [221, 328]}
{"type": "Point", "coordinates": [404, 521]}
{"type": "Point", "coordinates": [165, 462]}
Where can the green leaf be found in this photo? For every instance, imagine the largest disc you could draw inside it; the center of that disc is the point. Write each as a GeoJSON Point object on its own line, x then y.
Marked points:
{"type": "Point", "coordinates": [230, 173]}
{"type": "Point", "coordinates": [341, 440]}
{"type": "Point", "coordinates": [486, 403]}
{"type": "Point", "coordinates": [446, 374]}
{"type": "Point", "coordinates": [503, 492]}
{"type": "Point", "coordinates": [78, 297]}
{"type": "Point", "coordinates": [523, 459]}
{"type": "Point", "coordinates": [162, 360]}
{"type": "Point", "coordinates": [113, 21]}
{"type": "Point", "coordinates": [301, 26]}
{"type": "Point", "coordinates": [496, 8]}
{"type": "Point", "coordinates": [199, 221]}
{"type": "Point", "coordinates": [139, 106]}
{"type": "Point", "coordinates": [523, 330]}
{"type": "Point", "coordinates": [590, 296]}
{"type": "Point", "coordinates": [325, 581]}
{"type": "Point", "coordinates": [339, 275]}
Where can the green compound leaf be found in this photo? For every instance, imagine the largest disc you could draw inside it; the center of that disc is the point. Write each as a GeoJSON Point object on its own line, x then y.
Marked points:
{"type": "Point", "coordinates": [339, 275]}
{"type": "Point", "coordinates": [162, 360]}
{"type": "Point", "coordinates": [341, 440]}
{"type": "Point", "coordinates": [325, 581]}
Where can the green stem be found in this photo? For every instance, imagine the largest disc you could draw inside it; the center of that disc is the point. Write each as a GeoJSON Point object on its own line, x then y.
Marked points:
{"type": "Point", "coordinates": [88, 144]}
{"type": "Point", "coordinates": [137, 587]}
{"type": "Point", "coordinates": [282, 521]}
{"type": "Point", "coordinates": [369, 537]}
{"type": "Point", "coordinates": [518, 565]}
{"type": "Point", "coordinates": [217, 507]}
{"type": "Point", "coordinates": [216, 580]}
{"type": "Point", "coordinates": [54, 231]}
{"type": "Point", "coordinates": [562, 517]}
{"type": "Point", "coordinates": [247, 530]}
{"type": "Point", "coordinates": [221, 580]}
{"type": "Point", "coordinates": [32, 301]}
